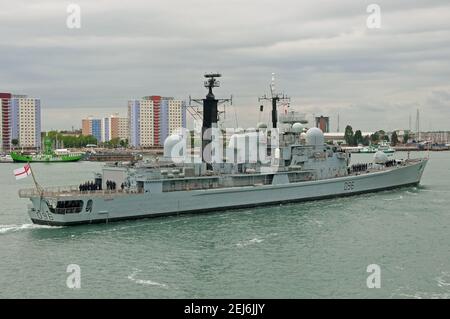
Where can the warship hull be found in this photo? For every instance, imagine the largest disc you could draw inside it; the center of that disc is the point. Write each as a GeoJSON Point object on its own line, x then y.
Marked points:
{"type": "Point", "coordinates": [104, 206]}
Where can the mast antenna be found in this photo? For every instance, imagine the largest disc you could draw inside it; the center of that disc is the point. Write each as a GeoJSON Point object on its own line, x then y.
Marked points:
{"type": "Point", "coordinates": [274, 98]}
{"type": "Point", "coordinates": [210, 112]}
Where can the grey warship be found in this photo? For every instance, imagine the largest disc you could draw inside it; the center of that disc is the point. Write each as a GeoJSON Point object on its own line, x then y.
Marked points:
{"type": "Point", "coordinates": [287, 163]}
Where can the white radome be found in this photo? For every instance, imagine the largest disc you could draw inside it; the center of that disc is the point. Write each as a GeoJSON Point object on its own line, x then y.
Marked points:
{"type": "Point", "coordinates": [170, 143]}
{"type": "Point", "coordinates": [314, 136]}
{"type": "Point", "coordinates": [380, 157]}
{"type": "Point", "coordinates": [261, 125]}
{"type": "Point", "coordinates": [297, 127]}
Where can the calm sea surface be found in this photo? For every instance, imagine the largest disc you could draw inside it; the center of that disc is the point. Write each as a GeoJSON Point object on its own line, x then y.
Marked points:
{"type": "Point", "coordinates": [318, 249]}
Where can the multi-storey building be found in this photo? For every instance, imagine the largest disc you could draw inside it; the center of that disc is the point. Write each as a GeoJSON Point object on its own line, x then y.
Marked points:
{"type": "Point", "coordinates": [113, 127]}
{"type": "Point", "coordinates": [156, 99]}
{"type": "Point", "coordinates": [92, 126]}
{"type": "Point", "coordinates": [5, 123]}
{"type": "Point", "coordinates": [26, 121]}
{"type": "Point", "coordinates": [173, 116]}
{"type": "Point", "coordinates": [133, 123]}
{"type": "Point", "coordinates": [20, 120]}
{"type": "Point", "coordinates": [141, 123]}
{"type": "Point", "coordinates": [153, 118]}
{"type": "Point", "coordinates": [119, 128]}
{"type": "Point", "coordinates": [323, 122]}
{"type": "Point", "coordinates": [106, 129]}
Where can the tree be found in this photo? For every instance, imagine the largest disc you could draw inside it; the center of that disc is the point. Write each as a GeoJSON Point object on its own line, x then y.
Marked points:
{"type": "Point", "coordinates": [366, 140]}
{"type": "Point", "coordinates": [71, 141]}
{"type": "Point", "coordinates": [124, 143]}
{"type": "Point", "coordinates": [375, 138]}
{"type": "Point", "coordinates": [386, 138]}
{"type": "Point", "coordinates": [405, 138]}
{"type": "Point", "coordinates": [348, 135]}
{"type": "Point", "coordinates": [394, 138]}
{"type": "Point", "coordinates": [357, 138]}
{"type": "Point", "coordinates": [15, 142]}
{"type": "Point", "coordinates": [115, 142]}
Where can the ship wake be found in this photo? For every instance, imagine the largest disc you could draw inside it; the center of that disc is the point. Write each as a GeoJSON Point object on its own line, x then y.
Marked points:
{"type": "Point", "coordinates": [5, 229]}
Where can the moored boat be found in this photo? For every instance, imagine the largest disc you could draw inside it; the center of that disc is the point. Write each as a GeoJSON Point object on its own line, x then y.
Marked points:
{"type": "Point", "coordinates": [48, 156]}
{"type": "Point", "coordinates": [383, 147]}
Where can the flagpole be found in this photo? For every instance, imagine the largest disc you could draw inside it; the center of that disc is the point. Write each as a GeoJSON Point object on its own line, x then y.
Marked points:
{"type": "Point", "coordinates": [38, 187]}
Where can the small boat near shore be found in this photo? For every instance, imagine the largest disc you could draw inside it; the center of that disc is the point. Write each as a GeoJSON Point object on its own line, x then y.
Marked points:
{"type": "Point", "coordinates": [6, 159]}
{"type": "Point", "coordinates": [48, 156]}
{"type": "Point", "coordinates": [383, 147]}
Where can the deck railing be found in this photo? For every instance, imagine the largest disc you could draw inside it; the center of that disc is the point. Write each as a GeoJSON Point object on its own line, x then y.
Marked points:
{"type": "Point", "coordinates": [65, 190]}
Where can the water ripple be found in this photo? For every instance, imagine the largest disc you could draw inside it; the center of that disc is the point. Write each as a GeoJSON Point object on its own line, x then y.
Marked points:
{"type": "Point", "coordinates": [145, 282]}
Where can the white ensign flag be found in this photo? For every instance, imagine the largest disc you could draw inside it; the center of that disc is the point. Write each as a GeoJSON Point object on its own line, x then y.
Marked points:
{"type": "Point", "coordinates": [22, 172]}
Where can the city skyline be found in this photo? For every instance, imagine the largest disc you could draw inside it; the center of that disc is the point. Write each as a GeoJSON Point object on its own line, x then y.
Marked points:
{"type": "Point", "coordinates": [324, 56]}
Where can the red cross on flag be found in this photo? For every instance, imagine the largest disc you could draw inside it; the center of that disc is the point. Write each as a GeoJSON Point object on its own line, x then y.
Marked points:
{"type": "Point", "coordinates": [22, 172]}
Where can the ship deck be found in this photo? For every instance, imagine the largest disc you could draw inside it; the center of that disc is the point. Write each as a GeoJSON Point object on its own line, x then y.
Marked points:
{"type": "Point", "coordinates": [73, 190]}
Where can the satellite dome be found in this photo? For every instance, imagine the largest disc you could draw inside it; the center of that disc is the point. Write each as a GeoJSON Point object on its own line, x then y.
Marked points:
{"type": "Point", "coordinates": [380, 157]}
{"type": "Point", "coordinates": [297, 127]}
{"type": "Point", "coordinates": [261, 125]}
{"type": "Point", "coordinates": [314, 136]}
{"type": "Point", "coordinates": [169, 144]}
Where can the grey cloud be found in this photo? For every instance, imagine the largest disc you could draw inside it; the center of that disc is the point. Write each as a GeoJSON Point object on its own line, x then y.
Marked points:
{"type": "Point", "coordinates": [322, 52]}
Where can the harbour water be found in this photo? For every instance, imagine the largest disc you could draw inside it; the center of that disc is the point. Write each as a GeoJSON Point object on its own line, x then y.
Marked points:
{"type": "Point", "coordinates": [318, 249]}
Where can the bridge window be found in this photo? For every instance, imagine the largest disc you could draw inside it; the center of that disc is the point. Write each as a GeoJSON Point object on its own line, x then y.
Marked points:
{"type": "Point", "coordinates": [69, 207]}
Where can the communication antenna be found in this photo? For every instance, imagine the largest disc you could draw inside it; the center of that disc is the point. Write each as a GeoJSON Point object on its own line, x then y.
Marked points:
{"type": "Point", "coordinates": [274, 98]}
{"type": "Point", "coordinates": [409, 122]}
{"type": "Point", "coordinates": [338, 123]}
{"type": "Point", "coordinates": [418, 125]}
{"type": "Point", "coordinates": [197, 113]}
{"type": "Point", "coordinates": [272, 85]}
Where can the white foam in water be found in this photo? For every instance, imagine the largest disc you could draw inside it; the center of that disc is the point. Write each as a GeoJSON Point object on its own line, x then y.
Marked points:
{"type": "Point", "coordinates": [426, 295]}
{"type": "Point", "coordinates": [434, 191]}
{"type": "Point", "coordinates": [13, 228]}
{"type": "Point", "coordinates": [144, 282]}
{"type": "Point", "coordinates": [420, 295]}
{"type": "Point", "coordinates": [444, 280]}
{"type": "Point", "coordinates": [250, 242]}
{"type": "Point", "coordinates": [397, 198]}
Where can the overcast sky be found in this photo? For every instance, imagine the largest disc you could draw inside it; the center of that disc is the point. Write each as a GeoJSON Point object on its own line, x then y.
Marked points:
{"type": "Point", "coordinates": [324, 56]}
